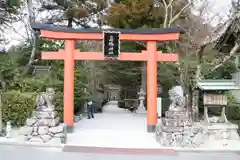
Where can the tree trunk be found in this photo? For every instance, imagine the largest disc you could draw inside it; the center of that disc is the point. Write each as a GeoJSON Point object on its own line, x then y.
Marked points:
{"type": "Point", "coordinates": [34, 49]}
{"type": "Point", "coordinates": [34, 37]}
{"type": "Point", "coordinates": [144, 81]}
{"type": "Point", "coordinates": [144, 76]}
{"type": "Point", "coordinates": [93, 79]}
{"type": "Point", "coordinates": [189, 104]}
{"type": "Point", "coordinates": [1, 120]}
{"type": "Point", "coordinates": [195, 109]}
{"type": "Point", "coordinates": [237, 61]}
{"type": "Point", "coordinates": [70, 21]}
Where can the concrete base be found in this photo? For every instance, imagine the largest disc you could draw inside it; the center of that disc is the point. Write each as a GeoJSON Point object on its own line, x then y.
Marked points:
{"type": "Point", "coordinates": [151, 128]}
{"type": "Point", "coordinates": [141, 111]}
{"type": "Point", "coordinates": [215, 131]}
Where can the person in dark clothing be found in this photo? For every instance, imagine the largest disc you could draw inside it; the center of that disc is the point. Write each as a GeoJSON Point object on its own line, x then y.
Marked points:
{"type": "Point", "coordinates": [90, 110]}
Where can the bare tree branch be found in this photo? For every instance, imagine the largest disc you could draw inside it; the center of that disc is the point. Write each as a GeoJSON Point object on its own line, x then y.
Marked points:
{"type": "Point", "coordinates": [180, 12]}
{"type": "Point", "coordinates": [226, 58]}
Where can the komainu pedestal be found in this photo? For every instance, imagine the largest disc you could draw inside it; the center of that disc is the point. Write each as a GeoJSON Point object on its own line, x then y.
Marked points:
{"type": "Point", "coordinates": [44, 125]}
{"type": "Point", "coordinates": [176, 128]}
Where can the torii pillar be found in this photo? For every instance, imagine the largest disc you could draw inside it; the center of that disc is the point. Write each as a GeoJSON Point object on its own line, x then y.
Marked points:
{"type": "Point", "coordinates": [69, 55]}
{"type": "Point", "coordinates": [152, 115]}
{"type": "Point", "coordinates": [69, 84]}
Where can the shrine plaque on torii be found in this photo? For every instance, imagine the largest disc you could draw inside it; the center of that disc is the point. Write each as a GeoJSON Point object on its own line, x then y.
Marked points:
{"type": "Point", "coordinates": [111, 44]}
{"type": "Point", "coordinates": [70, 54]}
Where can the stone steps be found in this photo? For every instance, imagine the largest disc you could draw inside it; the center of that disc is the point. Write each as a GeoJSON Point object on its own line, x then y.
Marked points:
{"type": "Point", "coordinates": [181, 121]}
{"type": "Point", "coordinates": [170, 129]}
{"type": "Point", "coordinates": [175, 114]}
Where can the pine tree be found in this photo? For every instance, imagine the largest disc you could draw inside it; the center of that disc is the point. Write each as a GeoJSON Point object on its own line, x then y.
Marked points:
{"type": "Point", "coordinates": [8, 11]}
{"type": "Point", "coordinates": [79, 12]}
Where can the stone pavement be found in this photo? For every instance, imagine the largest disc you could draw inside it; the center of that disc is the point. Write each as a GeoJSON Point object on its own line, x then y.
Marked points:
{"type": "Point", "coordinates": [23, 153]}
{"type": "Point", "coordinates": [114, 127]}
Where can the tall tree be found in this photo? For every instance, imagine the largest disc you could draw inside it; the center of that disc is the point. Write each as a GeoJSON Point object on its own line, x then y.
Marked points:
{"type": "Point", "coordinates": [8, 11]}
{"type": "Point", "coordinates": [198, 40]}
{"type": "Point", "coordinates": [75, 12]}
{"type": "Point", "coordinates": [200, 58]}
{"type": "Point", "coordinates": [138, 14]}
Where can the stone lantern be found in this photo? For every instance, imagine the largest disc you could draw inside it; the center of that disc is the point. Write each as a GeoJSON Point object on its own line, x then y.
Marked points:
{"type": "Point", "coordinates": [141, 107]}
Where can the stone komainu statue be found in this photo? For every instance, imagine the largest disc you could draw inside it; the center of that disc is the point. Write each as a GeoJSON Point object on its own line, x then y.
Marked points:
{"type": "Point", "coordinates": [45, 100]}
{"type": "Point", "coordinates": [177, 97]}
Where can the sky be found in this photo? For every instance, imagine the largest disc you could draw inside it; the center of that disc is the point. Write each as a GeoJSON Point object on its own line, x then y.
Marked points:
{"type": "Point", "coordinates": [217, 7]}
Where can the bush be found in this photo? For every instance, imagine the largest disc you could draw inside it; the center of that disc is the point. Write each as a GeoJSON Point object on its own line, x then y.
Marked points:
{"type": "Point", "coordinates": [233, 111]}
{"type": "Point", "coordinates": [121, 104]}
{"type": "Point", "coordinates": [59, 105]}
{"type": "Point", "coordinates": [17, 107]}
{"type": "Point", "coordinates": [80, 92]}
{"type": "Point", "coordinates": [165, 105]}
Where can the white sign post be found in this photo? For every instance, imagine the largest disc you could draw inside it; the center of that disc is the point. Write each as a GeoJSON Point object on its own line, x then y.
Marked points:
{"type": "Point", "coordinates": [159, 107]}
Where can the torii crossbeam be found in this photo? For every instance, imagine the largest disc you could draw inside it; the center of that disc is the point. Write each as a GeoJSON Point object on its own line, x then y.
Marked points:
{"type": "Point", "coordinates": [70, 54]}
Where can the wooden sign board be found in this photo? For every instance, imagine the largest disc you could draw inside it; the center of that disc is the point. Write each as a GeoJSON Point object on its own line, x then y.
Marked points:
{"type": "Point", "coordinates": [215, 99]}
{"type": "Point", "coordinates": [111, 44]}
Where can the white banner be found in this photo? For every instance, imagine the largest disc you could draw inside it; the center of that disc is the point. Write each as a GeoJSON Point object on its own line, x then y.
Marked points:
{"type": "Point", "coordinates": [159, 106]}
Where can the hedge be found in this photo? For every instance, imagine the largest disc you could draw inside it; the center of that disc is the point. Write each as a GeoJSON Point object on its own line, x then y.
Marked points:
{"type": "Point", "coordinates": [17, 107]}
{"type": "Point", "coordinates": [59, 105]}
{"type": "Point", "coordinates": [233, 111]}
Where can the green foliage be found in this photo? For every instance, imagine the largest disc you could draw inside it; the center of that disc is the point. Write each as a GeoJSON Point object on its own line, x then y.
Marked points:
{"type": "Point", "coordinates": [59, 104]}
{"type": "Point", "coordinates": [165, 105]}
{"type": "Point", "coordinates": [8, 71]}
{"type": "Point", "coordinates": [125, 74]}
{"type": "Point", "coordinates": [233, 111]}
{"type": "Point", "coordinates": [17, 106]}
{"type": "Point", "coordinates": [29, 84]}
{"type": "Point", "coordinates": [11, 65]}
{"type": "Point", "coordinates": [80, 85]}
{"type": "Point", "coordinates": [121, 104]}
{"type": "Point", "coordinates": [223, 72]}
{"type": "Point", "coordinates": [134, 14]}
{"type": "Point", "coordinates": [139, 14]}
{"type": "Point", "coordinates": [12, 6]}
{"type": "Point", "coordinates": [8, 11]}
{"type": "Point", "coordinates": [230, 98]}
{"type": "Point", "coordinates": [77, 12]}
{"type": "Point", "coordinates": [168, 76]}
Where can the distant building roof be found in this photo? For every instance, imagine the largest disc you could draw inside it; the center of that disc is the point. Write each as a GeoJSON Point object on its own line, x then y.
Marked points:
{"type": "Point", "coordinates": [223, 85]}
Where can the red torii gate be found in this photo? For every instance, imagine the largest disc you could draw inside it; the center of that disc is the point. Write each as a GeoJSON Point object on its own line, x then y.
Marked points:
{"type": "Point", "coordinates": [70, 54]}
